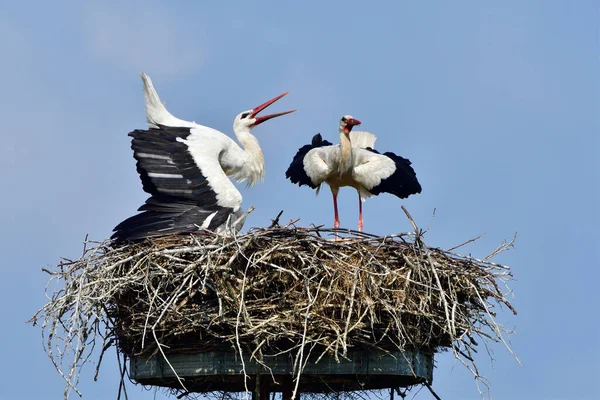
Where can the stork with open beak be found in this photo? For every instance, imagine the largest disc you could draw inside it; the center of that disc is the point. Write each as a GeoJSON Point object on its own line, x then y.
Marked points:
{"type": "Point", "coordinates": [186, 167]}
{"type": "Point", "coordinates": [355, 163]}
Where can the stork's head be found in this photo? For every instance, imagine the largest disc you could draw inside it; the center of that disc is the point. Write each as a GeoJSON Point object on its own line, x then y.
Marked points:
{"type": "Point", "coordinates": [347, 122]}
{"type": "Point", "coordinates": [247, 120]}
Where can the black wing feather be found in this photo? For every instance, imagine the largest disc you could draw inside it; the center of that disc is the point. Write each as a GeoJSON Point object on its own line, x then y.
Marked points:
{"type": "Point", "coordinates": [403, 182]}
{"type": "Point", "coordinates": [178, 204]}
{"type": "Point", "coordinates": [295, 171]}
{"type": "Point", "coordinates": [175, 159]}
{"type": "Point", "coordinates": [165, 216]}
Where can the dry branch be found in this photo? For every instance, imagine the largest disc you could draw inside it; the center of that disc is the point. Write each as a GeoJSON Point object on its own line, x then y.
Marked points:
{"type": "Point", "coordinates": [270, 291]}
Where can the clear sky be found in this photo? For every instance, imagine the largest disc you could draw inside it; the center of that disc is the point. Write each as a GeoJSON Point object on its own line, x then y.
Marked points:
{"type": "Point", "coordinates": [497, 106]}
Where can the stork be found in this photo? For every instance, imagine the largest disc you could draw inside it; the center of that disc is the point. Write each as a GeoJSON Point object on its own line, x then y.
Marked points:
{"type": "Point", "coordinates": [353, 163]}
{"type": "Point", "coordinates": [186, 168]}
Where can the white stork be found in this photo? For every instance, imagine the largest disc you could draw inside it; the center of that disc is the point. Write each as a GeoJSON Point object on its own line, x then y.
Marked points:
{"type": "Point", "coordinates": [354, 163]}
{"type": "Point", "coordinates": [186, 168]}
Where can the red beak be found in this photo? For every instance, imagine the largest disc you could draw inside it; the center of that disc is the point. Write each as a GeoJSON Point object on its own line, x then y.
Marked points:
{"type": "Point", "coordinates": [260, 120]}
{"type": "Point", "coordinates": [353, 122]}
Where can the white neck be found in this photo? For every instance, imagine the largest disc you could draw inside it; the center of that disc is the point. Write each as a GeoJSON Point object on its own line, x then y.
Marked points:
{"type": "Point", "coordinates": [345, 150]}
{"type": "Point", "coordinates": [254, 161]}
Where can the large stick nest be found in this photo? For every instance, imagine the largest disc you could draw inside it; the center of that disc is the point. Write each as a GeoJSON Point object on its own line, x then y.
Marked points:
{"type": "Point", "coordinates": [271, 290]}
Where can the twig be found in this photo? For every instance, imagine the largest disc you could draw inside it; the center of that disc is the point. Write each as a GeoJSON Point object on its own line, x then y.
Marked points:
{"type": "Point", "coordinates": [254, 291]}
{"type": "Point", "coordinates": [467, 242]}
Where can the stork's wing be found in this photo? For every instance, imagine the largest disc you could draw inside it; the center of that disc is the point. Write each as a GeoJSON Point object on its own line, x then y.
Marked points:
{"type": "Point", "coordinates": [188, 186]}
{"type": "Point", "coordinates": [165, 216]}
{"type": "Point", "coordinates": [385, 172]}
{"type": "Point", "coordinates": [307, 167]}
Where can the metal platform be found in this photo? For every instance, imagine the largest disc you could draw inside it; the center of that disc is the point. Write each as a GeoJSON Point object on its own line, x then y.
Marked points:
{"type": "Point", "coordinates": [223, 371]}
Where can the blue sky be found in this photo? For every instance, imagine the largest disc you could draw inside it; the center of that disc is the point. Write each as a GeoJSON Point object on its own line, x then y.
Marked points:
{"type": "Point", "coordinates": [497, 106]}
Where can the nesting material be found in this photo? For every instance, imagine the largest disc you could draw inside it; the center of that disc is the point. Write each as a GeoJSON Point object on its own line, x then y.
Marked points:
{"type": "Point", "coordinates": [271, 291]}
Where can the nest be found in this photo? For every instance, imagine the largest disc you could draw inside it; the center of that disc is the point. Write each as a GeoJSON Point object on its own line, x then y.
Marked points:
{"type": "Point", "coordinates": [271, 291]}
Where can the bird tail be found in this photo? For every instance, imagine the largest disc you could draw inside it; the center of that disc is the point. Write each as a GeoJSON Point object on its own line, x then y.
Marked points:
{"type": "Point", "coordinates": [362, 139]}
{"type": "Point", "coordinates": [156, 112]}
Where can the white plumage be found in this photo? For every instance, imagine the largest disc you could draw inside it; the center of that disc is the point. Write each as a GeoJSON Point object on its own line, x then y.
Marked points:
{"type": "Point", "coordinates": [362, 139]}
{"type": "Point", "coordinates": [186, 168]}
{"type": "Point", "coordinates": [210, 146]}
{"type": "Point", "coordinates": [354, 162]}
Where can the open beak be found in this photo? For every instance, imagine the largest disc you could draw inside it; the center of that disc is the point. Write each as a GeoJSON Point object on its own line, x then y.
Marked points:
{"type": "Point", "coordinates": [260, 120]}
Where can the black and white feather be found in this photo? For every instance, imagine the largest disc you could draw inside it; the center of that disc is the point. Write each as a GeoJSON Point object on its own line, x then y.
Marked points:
{"type": "Point", "coordinates": [369, 171]}
{"type": "Point", "coordinates": [403, 180]}
{"type": "Point", "coordinates": [355, 163]}
{"type": "Point", "coordinates": [186, 168]}
{"type": "Point", "coordinates": [188, 194]}
{"type": "Point", "coordinates": [296, 172]}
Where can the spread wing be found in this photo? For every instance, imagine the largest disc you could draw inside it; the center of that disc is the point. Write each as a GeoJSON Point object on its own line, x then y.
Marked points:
{"type": "Point", "coordinates": [387, 172]}
{"type": "Point", "coordinates": [307, 166]}
{"type": "Point", "coordinates": [189, 190]}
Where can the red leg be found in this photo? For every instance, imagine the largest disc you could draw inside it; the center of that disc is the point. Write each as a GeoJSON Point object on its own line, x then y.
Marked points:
{"type": "Point", "coordinates": [336, 220]}
{"type": "Point", "coordinates": [360, 219]}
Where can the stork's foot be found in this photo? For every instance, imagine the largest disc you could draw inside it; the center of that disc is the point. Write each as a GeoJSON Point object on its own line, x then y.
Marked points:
{"type": "Point", "coordinates": [360, 226]}
{"type": "Point", "coordinates": [336, 226]}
